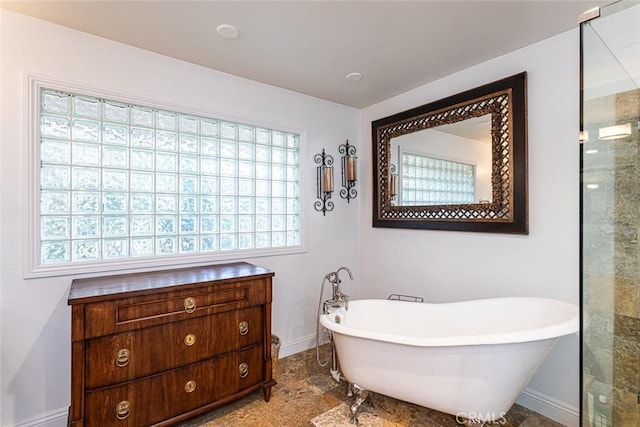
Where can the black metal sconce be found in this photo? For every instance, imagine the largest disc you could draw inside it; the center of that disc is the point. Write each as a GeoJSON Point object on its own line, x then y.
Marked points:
{"type": "Point", "coordinates": [349, 172]}
{"type": "Point", "coordinates": [393, 183]}
{"type": "Point", "coordinates": [324, 182]}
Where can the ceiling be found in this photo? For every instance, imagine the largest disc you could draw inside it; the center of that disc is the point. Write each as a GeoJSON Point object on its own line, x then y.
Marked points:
{"type": "Point", "coordinates": [310, 46]}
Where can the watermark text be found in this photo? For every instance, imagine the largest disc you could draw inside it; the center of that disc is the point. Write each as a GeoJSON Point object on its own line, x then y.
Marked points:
{"type": "Point", "coordinates": [476, 419]}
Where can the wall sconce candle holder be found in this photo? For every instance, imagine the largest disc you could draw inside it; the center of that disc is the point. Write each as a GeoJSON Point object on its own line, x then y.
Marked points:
{"type": "Point", "coordinates": [324, 182]}
{"type": "Point", "coordinates": [349, 172]}
{"type": "Point", "coordinates": [393, 183]}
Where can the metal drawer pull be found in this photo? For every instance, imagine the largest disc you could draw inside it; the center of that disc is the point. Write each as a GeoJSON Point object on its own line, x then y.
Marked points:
{"type": "Point", "coordinates": [243, 328]}
{"type": "Point", "coordinates": [189, 305]}
{"type": "Point", "coordinates": [190, 340]}
{"type": "Point", "coordinates": [244, 370]}
{"type": "Point", "coordinates": [123, 409]}
{"type": "Point", "coordinates": [122, 358]}
{"type": "Point", "coordinates": [190, 386]}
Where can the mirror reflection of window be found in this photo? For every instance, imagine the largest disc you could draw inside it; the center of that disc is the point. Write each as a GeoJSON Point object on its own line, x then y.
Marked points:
{"type": "Point", "coordinates": [432, 181]}
{"type": "Point", "coordinates": [449, 146]}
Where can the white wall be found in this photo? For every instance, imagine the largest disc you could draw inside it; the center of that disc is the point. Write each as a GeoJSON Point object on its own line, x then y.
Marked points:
{"type": "Point", "coordinates": [450, 266]}
{"type": "Point", "coordinates": [35, 318]}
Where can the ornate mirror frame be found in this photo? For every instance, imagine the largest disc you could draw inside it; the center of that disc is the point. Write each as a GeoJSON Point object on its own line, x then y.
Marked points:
{"type": "Point", "coordinates": [507, 212]}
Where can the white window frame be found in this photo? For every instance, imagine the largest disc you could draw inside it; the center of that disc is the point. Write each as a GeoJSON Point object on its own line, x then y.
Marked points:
{"type": "Point", "coordinates": [33, 268]}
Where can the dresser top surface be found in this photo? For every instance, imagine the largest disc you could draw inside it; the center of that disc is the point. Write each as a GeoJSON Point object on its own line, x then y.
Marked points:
{"type": "Point", "coordinates": [107, 287]}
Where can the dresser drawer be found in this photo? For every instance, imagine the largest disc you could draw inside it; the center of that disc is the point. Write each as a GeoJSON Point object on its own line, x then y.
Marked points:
{"type": "Point", "coordinates": [127, 314]}
{"type": "Point", "coordinates": [129, 355]}
{"type": "Point", "coordinates": [160, 397]}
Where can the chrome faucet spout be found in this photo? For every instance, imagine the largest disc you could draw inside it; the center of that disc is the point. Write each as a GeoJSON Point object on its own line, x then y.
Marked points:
{"type": "Point", "coordinates": [345, 269]}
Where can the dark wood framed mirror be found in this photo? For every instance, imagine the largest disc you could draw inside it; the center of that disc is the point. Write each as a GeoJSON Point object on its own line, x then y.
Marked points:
{"type": "Point", "coordinates": [459, 163]}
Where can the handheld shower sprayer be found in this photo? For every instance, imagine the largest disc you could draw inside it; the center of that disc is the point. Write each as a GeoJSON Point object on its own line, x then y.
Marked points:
{"type": "Point", "coordinates": [338, 299]}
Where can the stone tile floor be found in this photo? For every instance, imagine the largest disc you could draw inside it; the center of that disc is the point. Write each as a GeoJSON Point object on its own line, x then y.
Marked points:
{"type": "Point", "coordinates": [306, 395]}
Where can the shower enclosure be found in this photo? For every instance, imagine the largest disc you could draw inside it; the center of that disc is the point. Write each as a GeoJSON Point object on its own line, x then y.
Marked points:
{"type": "Point", "coordinates": [610, 215]}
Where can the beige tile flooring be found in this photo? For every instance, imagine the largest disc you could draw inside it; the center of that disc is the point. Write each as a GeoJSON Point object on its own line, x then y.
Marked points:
{"type": "Point", "coordinates": [306, 395]}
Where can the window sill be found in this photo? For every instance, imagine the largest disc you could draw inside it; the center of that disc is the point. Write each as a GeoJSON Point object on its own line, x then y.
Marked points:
{"type": "Point", "coordinates": [113, 267]}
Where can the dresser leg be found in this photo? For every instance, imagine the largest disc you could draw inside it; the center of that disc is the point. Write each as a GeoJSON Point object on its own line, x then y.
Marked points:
{"type": "Point", "coordinates": [266, 389]}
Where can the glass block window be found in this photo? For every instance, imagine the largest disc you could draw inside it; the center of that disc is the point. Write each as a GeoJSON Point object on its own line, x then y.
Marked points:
{"type": "Point", "coordinates": [122, 181]}
{"type": "Point", "coordinates": [433, 181]}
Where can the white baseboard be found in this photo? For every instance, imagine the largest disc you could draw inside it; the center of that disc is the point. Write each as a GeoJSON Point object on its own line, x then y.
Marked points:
{"type": "Point", "coordinates": [550, 407]}
{"type": "Point", "coordinates": [57, 418]}
{"type": "Point", "coordinates": [301, 344]}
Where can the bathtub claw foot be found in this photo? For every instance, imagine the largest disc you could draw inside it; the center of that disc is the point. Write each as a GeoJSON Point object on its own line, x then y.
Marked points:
{"type": "Point", "coordinates": [361, 395]}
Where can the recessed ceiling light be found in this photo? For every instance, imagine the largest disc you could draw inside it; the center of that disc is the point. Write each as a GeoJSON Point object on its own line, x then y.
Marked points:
{"type": "Point", "coordinates": [354, 77]}
{"type": "Point", "coordinates": [227, 31]}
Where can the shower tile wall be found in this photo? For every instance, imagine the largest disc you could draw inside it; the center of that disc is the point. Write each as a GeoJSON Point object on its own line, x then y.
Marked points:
{"type": "Point", "coordinates": [611, 257]}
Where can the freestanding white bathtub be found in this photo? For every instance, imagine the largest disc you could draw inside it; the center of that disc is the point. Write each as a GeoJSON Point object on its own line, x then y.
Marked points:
{"type": "Point", "coordinates": [469, 359]}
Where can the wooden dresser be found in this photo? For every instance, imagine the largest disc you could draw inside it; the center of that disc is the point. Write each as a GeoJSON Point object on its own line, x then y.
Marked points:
{"type": "Point", "coordinates": [152, 349]}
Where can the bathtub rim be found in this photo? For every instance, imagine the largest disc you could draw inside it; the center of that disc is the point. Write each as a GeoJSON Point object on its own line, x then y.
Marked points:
{"type": "Point", "coordinates": [568, 326]}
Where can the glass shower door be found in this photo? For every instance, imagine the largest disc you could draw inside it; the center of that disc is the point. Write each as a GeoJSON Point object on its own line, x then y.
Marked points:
{"type": "Point", "coordinates": [610, 217]}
